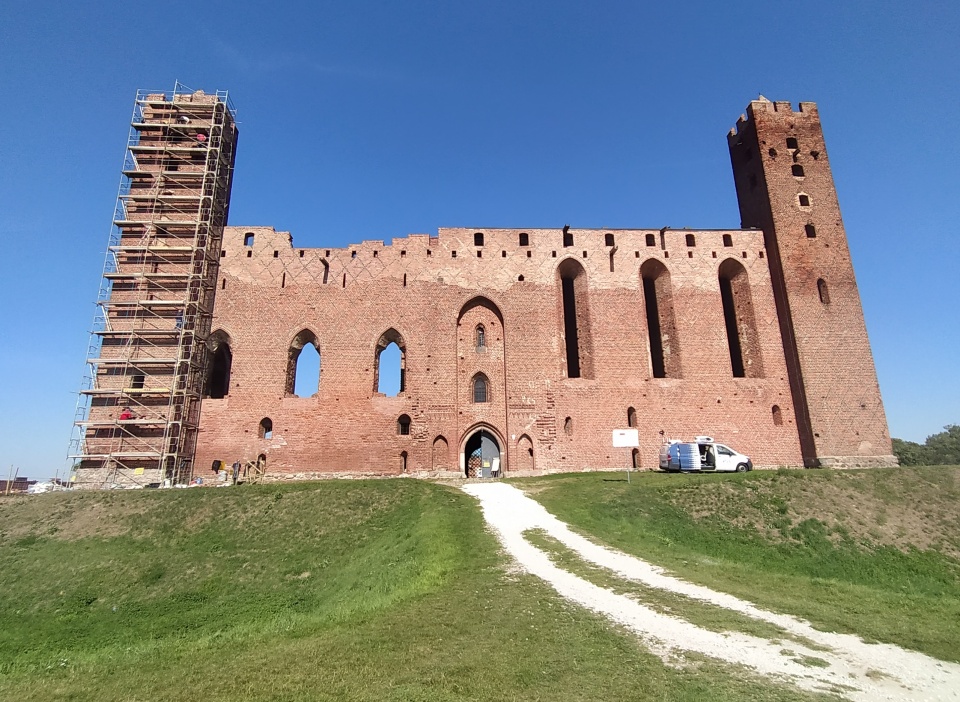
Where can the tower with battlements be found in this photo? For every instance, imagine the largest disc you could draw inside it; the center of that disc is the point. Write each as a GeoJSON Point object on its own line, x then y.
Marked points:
{"type": "Point", "coordinates": [785, 188]}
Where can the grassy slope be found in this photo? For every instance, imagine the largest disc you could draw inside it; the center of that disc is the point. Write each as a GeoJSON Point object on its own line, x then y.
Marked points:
{"type": "Point", "coordinates": [386, 590]}
{"type": "Point", "coordinates": [867, 552]}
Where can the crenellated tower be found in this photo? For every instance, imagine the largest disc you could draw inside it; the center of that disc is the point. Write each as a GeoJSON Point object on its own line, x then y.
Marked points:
{"type": "Point", "coordinates": [785, 187]}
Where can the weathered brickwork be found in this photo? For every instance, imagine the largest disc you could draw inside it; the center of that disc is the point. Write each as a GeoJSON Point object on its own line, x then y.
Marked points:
{"type": "Point", "coordinates": [754, 336]}
{"type": "Point", "coordinates": [785, 188]}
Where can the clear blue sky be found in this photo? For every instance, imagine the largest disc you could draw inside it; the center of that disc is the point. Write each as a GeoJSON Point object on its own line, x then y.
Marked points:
{"type": "Point", "coordinates": [370, 120]}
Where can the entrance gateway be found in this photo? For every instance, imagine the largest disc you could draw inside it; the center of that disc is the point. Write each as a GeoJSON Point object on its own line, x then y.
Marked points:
{"type": "Point", "coordinates": [481, 456]}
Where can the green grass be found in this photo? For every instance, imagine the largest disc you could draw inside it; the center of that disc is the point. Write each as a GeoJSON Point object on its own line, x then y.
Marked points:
{"type": "Point", "coordinates": [703, 614]}
{"type": "Point", "coordinates": [353, 590]}
{"type": "Point", "coordinates": [809, 543]}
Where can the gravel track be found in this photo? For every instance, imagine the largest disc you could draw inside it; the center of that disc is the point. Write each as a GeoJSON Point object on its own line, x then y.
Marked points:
{"type": "Point", "coordinates": [856, 670]}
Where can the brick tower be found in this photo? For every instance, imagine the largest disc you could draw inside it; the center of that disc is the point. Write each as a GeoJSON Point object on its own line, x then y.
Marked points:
{"type": "Point", "coordinates": [139, 410]}
{"type": "Point", "coordinates": [785, 187]}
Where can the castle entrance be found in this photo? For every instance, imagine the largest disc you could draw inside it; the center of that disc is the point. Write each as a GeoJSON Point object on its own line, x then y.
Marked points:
{"type": "Point", "coordinates": [482, 456]}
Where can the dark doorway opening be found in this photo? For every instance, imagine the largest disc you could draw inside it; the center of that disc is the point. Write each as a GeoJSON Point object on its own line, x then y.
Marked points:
{"type": "Point", "coordinates": [482, 456]}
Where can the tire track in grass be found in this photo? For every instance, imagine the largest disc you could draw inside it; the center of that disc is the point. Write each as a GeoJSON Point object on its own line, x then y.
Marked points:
{"type": "Point", "coordinates": [846, 665]}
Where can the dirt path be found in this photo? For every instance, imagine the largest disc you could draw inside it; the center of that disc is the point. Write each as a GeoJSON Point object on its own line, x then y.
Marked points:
{"type": "Point", "coordinates": [856, 670]}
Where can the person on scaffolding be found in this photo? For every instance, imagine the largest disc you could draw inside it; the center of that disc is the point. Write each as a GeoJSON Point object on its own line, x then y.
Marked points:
{"type": "Point", "coordinates": [125, 414]}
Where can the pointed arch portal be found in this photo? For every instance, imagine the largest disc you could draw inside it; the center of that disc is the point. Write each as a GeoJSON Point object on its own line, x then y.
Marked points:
{"type": "Point", "coordinates": [481, 455]}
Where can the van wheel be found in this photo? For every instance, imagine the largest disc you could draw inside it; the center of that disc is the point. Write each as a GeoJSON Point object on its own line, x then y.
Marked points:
{"type": "Point", "coordinates": [741, 467]}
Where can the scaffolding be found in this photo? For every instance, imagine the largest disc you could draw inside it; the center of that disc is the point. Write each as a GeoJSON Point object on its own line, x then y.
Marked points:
{"type": "Point", "coordinates": [139, 405]}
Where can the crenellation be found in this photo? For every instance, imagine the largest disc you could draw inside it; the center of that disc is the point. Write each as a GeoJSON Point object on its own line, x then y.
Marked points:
{"type": "Point", "coordinates": [530, 345]}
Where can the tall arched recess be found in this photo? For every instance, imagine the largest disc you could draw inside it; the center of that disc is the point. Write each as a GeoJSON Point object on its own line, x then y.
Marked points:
{"type": "Point", "coordinates": [303, 339]}
{"type": "Point", "coordinates": [217, 381]}
{"type": "Point", "coordinates": [661, 321]}
{"type": "Point", "coordinates": [575, 316]}
{"type": "Point", "coordinates": [395, 385]}
{"type": "Point", "coordinates": [741, 324]}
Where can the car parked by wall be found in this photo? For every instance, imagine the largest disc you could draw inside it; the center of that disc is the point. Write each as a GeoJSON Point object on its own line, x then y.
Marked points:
{"type": "Point", "coordinates": [702, 455]}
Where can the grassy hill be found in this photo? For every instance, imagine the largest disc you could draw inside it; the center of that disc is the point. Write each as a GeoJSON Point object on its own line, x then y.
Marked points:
{"type": "Point", "coordinates": [393, 590]}
{"type": "Point", "coordinates": [871, 552]}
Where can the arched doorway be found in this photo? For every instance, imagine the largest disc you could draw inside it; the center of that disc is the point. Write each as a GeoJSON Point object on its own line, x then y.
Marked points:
{"type": "Point", "coordinates": [481, 455]}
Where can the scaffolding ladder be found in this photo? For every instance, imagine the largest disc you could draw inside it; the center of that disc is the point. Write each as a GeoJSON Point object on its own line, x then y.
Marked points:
{"type": "Point", "coordinates": [138, 411]}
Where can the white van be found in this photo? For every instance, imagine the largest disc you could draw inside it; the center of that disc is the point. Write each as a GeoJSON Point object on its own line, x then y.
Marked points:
{"type": "Point", "coordinates": [702, 454]}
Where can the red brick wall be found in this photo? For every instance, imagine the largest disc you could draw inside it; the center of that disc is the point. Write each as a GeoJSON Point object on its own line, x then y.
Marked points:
{"type": "Point", "coordinates": [834, 385]}
{"type": "Point", "coordinates": [416, 286]}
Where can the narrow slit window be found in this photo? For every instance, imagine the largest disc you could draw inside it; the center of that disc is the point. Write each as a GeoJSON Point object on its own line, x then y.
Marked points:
{"type": "Point", "coordinates": [777, 416]}
{"type": "Point", "coordinates": [823, 291]}
{"type": "Point", "coordinates": [631, 417]}
{"type": "Point", "coordinates": [481, 336]}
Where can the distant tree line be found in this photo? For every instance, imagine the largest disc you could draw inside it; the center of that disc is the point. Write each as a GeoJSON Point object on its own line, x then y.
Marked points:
{"type": "Point", "coordinates": [941, 449]}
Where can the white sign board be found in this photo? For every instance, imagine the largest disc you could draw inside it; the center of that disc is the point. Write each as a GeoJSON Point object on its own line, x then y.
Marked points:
{"type": "Point", "coordinates": [626, 438]}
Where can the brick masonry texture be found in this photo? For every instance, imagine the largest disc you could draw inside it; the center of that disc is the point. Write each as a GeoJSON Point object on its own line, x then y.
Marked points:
{"type": "Point", "coordinates": [808, 394]}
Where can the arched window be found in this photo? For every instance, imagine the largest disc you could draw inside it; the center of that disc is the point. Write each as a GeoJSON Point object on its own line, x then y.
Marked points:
{"type": "Point", "coordinates": [524, 239]}
{"type": "Point", "coordinates": [265, 430]}
{"type": "Point", "coordinates": [635, 459]}
{"type": "Point", "coordinates": [303, 365]}
{"type": "Point", "coordinates": [481, 335]}
{"type": "Point", "coordinates": [631, 417]}
{"type": "Point", "coordinates": [221, 360]}
{"type": "Point", "coordinates": [403, 461]}
{"type": "Point", "coordinates": [664, 342]}
{"type": "Point", "coordinates": [403, 425]}
{"type": "Point", "coordinates": [576, 319]}
{"type": "Point", "coordinates": [691, 240]}
{"type": "Point", "coordinates": [478, 239]}
{"type": "Point", "coordinates": [441, 452]}
{"type": "Point", "coordinates": [608, 239]}
{"type": "Point", "coordinates": [481, 389]}
{"type": "Point", "coordinates": [777, 416]}
{"type": "Point", "coordinates": [390, 364]}
{"type": "Point", "coordinates": [742, 337]}
{"type": "Point", "coordinates": [823, 291]}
